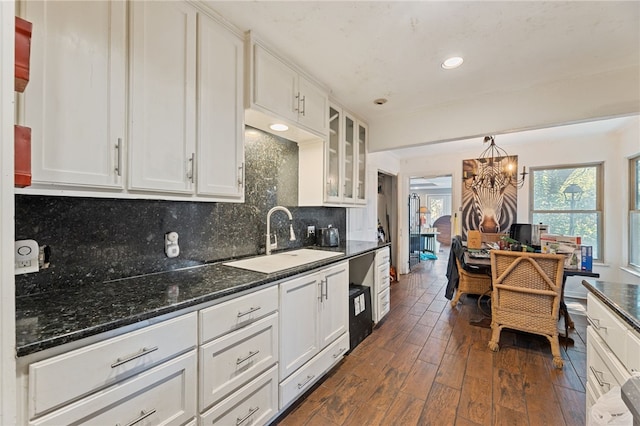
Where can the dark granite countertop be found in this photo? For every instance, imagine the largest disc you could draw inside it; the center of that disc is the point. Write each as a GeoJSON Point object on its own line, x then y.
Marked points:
{"type": "Point", "coordinates": [623, 299]}
{"type": "Point", "coordinates": [48, 320]}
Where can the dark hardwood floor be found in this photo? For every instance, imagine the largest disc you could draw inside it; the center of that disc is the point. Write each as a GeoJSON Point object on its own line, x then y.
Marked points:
{"type": "Point", "coordinates": [425, 364]}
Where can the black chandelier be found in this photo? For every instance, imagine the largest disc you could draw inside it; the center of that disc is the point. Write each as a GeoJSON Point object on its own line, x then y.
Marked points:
{"type": "Point", "coordinates": [494, 170]}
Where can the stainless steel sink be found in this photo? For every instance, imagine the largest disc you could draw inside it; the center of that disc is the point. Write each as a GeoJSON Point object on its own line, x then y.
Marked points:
{"type": "Point", "coordinates": [281, 261]}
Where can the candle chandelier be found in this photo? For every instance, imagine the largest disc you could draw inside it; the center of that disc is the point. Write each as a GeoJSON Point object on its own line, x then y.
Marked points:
{"type": "Point", "coordinates": [494, 170]}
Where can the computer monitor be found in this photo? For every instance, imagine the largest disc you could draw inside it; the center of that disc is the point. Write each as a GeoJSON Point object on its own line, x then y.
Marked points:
{"type": "Point", "coordinates": [521, 232]}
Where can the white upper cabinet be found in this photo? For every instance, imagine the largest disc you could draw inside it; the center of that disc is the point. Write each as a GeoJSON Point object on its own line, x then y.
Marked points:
{"type": "Point", "coordinates": [163, 89]}
{"type": "Point", "coordinates": [333, 172]}
{"type": "Point", "coordinates": [75, 101]}
{"type": "Point", "coordinates": [185, 97]}
{"type": "Point", "coordinates": [220, 111]}
{"type": "Point", "coordinates": [279, 90]}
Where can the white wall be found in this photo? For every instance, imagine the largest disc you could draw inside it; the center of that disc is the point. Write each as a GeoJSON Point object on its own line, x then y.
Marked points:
{"type": "Point", "coordinates": [612, 148]}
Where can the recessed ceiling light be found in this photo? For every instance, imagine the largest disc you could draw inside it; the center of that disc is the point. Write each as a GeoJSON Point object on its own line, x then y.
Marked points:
{"type": "Point", "coordinates": [279, 127]}
{"type": "Point", "coordinates": [453, 62]}
{"type": "Point", "coordinates": [380, 101]}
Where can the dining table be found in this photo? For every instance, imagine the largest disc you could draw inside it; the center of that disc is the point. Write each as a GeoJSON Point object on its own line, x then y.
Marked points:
{"type": "Point", "coordinates": [481, 260]}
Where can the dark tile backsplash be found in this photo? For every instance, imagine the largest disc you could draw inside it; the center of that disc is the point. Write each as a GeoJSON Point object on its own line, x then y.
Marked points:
{"type": "Point", "coordinates": [99, 239]}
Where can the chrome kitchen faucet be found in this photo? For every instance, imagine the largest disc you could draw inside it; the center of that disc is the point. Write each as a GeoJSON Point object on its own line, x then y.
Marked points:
{"type": "Point", "coordinates": [269, 246]}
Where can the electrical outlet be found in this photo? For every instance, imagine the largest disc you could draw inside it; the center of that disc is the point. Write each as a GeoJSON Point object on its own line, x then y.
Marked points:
{"type": "Point", "coordinates": [26, 256]}
{"type": "Point", "coordinates": [311, 230]}
{"type": "Point", "coordinates": [171, 247]}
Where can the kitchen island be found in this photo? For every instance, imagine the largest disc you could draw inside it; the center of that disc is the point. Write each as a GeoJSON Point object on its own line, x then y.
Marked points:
{"type": "Point", "coordinates": [48, 320]}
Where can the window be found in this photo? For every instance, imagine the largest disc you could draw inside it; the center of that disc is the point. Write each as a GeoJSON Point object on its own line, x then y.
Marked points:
{"type": "Point", "coordinates": [569, 200]}
{"type": "Point", "coordinates": [634, 212]}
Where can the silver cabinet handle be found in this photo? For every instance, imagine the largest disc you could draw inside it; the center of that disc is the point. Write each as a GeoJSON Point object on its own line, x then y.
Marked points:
{"type": "Point", "coordinates": [326, 286]}
{"type": "Point", "coordinates": [241, 175]}
{"type": "Point", "coordinates": [118, 168]}
{"type": "Point", "coordinates": [143, 352]}
{"type": "Point", "coordinates": [192, 162]}
{"type": "Point", "coordinates": [143, 415]}
{"type": "Point", "coordinates": [251, 310]}
{"type": "Point", "coordinates": [241, 360]}
{"type": "Point", "coordinates": [304, 106]}
{"type": "Point", "coordinates": [303, 384]}
{"type": "Point", "coordinates": [297, 102]}
{"type": "Point", "coordinates": [251, 412]}
{"type": "Point", "coordinates": [596, 323]}
{"type": "Point", "coordinates": [596, 374]}
{"type": "Point", "coordinates": [336, 355]}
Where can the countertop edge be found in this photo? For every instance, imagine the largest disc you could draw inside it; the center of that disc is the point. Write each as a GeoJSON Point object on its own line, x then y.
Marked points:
{"type": "Point", "coordinates": [187, 305]}
{"type": "Point", "coordinates": [612, 304]}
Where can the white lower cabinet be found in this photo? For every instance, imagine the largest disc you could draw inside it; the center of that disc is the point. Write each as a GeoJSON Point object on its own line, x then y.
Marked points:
{"type": "Point", "coordinates": [313, 316]}
{"type": "Point", "coordinates": [254, 404]}
{"type": "Point", "coordinates": [164, 395]}
{"type": "Point", "coordinates": [612, 350]}
{"type": "Point", "coordinates": [380, 294]}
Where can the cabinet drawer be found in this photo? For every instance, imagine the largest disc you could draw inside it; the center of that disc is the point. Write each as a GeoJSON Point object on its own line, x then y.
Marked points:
{"type": "Point", "coordinates": [383, 256]}
{"type": "Point", "coordinates": [591, 397]}
{"type": "Point", "coordinates": [231, 361]}
{"type": "Point", "coordinates": [383, 276]}
{"type": "Point", "coordinates": [604, 370]}
{"type": "Point", "coordinates": [97, 366]}
{"type": "Point", "coordinates": [384, 303]}
{"type": "Point", "coordinates": [234, 314]}
{"type": "Point", "coordinates": [633, 352]}
{"type": "Point", "coordinates": [298, 383]}
{"type": "Point", "coordinates": [254, 404]}
{"type": "Point", "coordinates": [608, 326]}
{"type": "Point", "coordinates": [162, 395]}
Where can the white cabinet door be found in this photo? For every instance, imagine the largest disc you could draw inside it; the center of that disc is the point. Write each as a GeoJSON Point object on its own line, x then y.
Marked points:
{"type": "Point", "coordinates": [220, 153]}
{"type": "Point", "coordinates": [75, 101]}
{"type": "Point", "coordinates": [334, 304]}
{"type": "Point", "coordinates": [298, 322]}
{"type": "Point", "coordinates": [334, 156]}
{"type": "Point", "coordinates": [313, 105]}
{"type": "Point", "coordinates": [275, 84]}
{"type": "Point", "coordinates": [350, 157]}
{"type": "Point", "coordinates": [162, 111]}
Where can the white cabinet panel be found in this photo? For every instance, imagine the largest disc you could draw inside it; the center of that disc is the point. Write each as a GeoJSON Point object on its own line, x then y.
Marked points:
{"type": "Point", "coordinates": [313, 105]}
{"type": "Point", "coordinates": [164, 395]}
{"type": "Point", "coordinates": [275, 84]}
{"type": "Point", "coordinates": [102, 364]}
{"type": "Point", "coordinates": [255, 404]}
{"type": "Point", "coordinates": [229, 362]}
{"type": "Point", "coordinates": [299, 315]}
{"type": "Point", "coordinates": [237, 313]}
{"type": "Point", "coordinates": [163, 79]}
{"type": "Point", "coordinates": [75, 101]}
{"type": "Point", "coordinates": [220, 152]}
{"type": "Point", "coordinates": [334, 306]}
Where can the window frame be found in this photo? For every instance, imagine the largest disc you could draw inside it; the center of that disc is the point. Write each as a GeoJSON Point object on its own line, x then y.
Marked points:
{"type": "Point", "coordinates": [634, 207]}
{"type": "Point", "coordinates": [599, 210]}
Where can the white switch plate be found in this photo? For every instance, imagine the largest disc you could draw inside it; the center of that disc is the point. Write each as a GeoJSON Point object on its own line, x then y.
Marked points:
{"type": "Point", "coordinates": [26, 256]}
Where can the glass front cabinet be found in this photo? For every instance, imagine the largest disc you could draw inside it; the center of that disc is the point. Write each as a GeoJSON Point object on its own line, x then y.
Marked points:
{"type": "Point", "coordinates": [345, 158]}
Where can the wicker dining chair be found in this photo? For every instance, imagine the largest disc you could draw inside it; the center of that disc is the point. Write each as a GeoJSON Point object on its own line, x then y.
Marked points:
{"type": "Point", "coordinates": [527, 289]}
{"type": "Point", "coordinates": [471, 283]}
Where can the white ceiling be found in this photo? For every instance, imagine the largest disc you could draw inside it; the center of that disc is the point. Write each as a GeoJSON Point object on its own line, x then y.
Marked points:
{"type": "Point", "coordinates": [365, 50]}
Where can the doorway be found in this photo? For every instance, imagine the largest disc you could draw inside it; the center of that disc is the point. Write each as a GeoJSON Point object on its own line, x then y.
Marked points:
{"type": "Point", "coordinates": [387, 212]}
{"type": "Point", "coordinates": [434, 214]}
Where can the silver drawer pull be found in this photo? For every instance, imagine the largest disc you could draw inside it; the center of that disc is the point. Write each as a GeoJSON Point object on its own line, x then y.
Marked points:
{"type": "Point", "coordinates": [336, 355]}
{"type": "Point", "coordinates": [251, 354]}
{"type": "Point", "coordinates": [596, 323]}
{"type": "Point", "coordinates": [252, 411]}
{"type": "Point", "coordinates": [251, 310]}
{"type": "Point", "coordinates": [143, 352]}
{"type": "Point", "coordinates": [303, 384]}
{"type": "Point", "coordinates": [143, 416]}
{"type": "Point", "coordinates": [599, 376]}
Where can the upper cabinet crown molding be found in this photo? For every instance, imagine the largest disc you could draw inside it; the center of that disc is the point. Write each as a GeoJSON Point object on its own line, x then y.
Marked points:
{"type": "Point", "coordinates": [277, 90]}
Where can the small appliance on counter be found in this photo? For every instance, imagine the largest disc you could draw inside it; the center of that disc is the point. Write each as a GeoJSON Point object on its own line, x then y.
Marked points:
{"type": "Point", "coordinates": [328, 237]}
